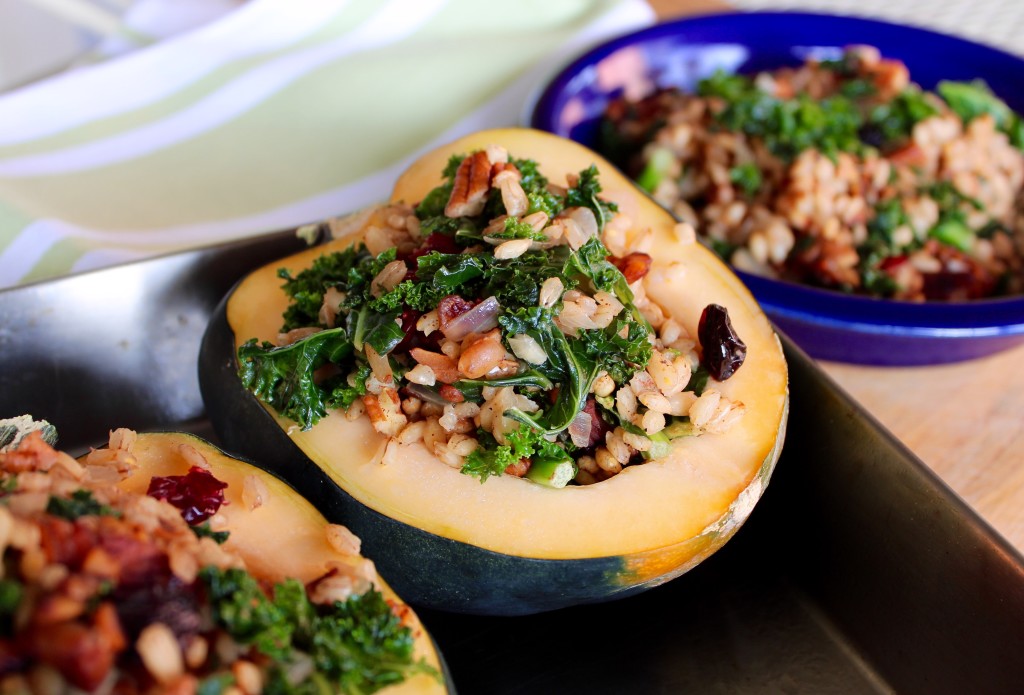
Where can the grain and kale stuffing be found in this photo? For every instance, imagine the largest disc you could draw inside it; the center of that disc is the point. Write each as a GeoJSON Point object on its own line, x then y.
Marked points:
{"type": "Point", "coordinates": [503, 324]}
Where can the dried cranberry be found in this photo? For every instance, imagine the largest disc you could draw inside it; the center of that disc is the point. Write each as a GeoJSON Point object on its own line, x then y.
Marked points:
{"type": "Point", "coordinates": [165, 599]}
{"type": "Point", "coordinates": [958, 285]}
{"type": "Point", "coordinates": [412, 336]}
{"type": "Point", "coordinates": [598, 427]}
{"type": "Point", "coordinates": [436, 241]}
{"type": "Point", "coordinates": [197, 493]}
{"type": "Point", "coordinates": [961, 277]}
{"type": "Point", "coordinates": [11, 658]}
{"type": "Point", "coordinates": [634, 266]}
{"type": "Point", "coordinates": [891, 262]}
{"type": "Point", "coordinates": [723, 351]}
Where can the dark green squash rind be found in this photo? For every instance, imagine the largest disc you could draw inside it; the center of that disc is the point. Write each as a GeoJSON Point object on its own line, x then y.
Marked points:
{"type": "Point", "coordinates": [423, 568]}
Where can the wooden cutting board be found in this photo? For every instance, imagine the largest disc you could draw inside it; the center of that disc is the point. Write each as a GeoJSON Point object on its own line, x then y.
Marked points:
{"type": "Point", "coordinates": [965, 421]}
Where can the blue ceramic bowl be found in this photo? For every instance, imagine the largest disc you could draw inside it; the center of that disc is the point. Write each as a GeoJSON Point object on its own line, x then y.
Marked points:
{"type": "Point", "coordinates": [828, 325]}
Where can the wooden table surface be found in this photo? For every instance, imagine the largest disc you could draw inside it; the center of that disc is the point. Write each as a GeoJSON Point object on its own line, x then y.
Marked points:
{"type": "Point", "coordinates": [963, 420]}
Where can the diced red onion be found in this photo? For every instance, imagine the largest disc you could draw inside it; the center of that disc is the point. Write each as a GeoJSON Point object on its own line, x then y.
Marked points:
{"type": "Point", "coordinates": [579, 429]}
{"type": "Point", "coordinates": [481, 318]}
{"type": "Point", "coordinates": [426, 394]}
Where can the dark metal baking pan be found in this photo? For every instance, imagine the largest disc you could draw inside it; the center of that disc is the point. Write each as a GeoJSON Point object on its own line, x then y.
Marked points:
{"type": "Point", "coordinates": [859, 571]}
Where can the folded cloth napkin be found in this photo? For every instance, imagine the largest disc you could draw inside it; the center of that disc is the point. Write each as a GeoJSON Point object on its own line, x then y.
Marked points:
{"type": "Point", "coordinates": [281, 113]}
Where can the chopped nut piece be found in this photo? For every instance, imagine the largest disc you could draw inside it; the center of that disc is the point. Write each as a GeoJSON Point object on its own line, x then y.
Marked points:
{"type": "Point", "coordinates": [469, 190]}
{"type": "Point", "coordinates": [507, 177]}
{"type": "Point", "coordinates": [158, 648]}
{"type": "Point", "coordinates": [512, 249]}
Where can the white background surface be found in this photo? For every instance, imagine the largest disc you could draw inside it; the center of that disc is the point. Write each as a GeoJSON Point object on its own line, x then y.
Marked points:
{"type": "Point", "coordinates": [34, 42]}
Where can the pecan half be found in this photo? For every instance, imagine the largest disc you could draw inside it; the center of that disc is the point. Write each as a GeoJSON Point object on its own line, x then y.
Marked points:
{"type": "Point", "coordinates": [469, 190]}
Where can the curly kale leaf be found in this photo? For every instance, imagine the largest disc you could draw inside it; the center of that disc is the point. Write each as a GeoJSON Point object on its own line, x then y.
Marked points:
{"type": "Point", "coordinates": [574, 370]}
{"type": "Point", "coordinates": [204, 530]}
{"type": "Point", "coordinates": [79, 503]}
{"type": "Point", "coordinates": [357, 646]}
{"type": "Point", "coordinates": [491, 458]}
{"type": "Point", "coordinates": [879, 245]}
{"type": "Point", "coordinates": [535, 185]}
{"type": "Point", "coordinates": [282, 377]}
{"type": "Point", "coordinates": [381, 331]}
{"type": "Point", "coordinates": [346, 391]}
{"type": "Point", "coordinates": [972, 99]}
{"type": "Point", "coordinates": [579, 371]}
{"type": "Point", "coordinates": [591, 261]}
{"type": "Point", "coordinates": [12, 592]}
{"type": "Point", "coordinates": [446, 273]}
{"type": "Point", "coordinates": [516, 282]}
{"type": "Point", "coordinates": [307, 289]}
{"type": "Point", "coordinates": [952, 228]}
{"type": "Point", "coordinates": [891, 123]}
{"type": "Point", "coordinates": [514, 229]}
{"type": "Point", "coordinates": [574, 362]}
{"type": "Point", "coordinates": [538, 323]}
{"type": "Point", "coordinates": [360, 277]}
{"type": "Point", "coordinates": [472, 389]}
{"type": "Point", "coordinates": [585, 194]}
{"type": "Point", "coordinates": [747, 177]}
{"type": "Point", "coordinates": [786, 126]}
{"type": "Point", "coordinates": [351, 271]}
{"type": "Point", "coordinates": [361, 646]}
{"type": "Point", "coordinates": [240, 607]}
{"type": "Point", "coordinates": [724, 85]}
{"type": "Point", "coordinates": [620, 356]}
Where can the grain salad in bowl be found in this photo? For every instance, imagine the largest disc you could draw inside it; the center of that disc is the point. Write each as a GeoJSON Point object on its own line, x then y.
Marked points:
{"type": "Point", "coordinates": [517, 341]}
{"type": "Point", "coordinates": [841, 174]}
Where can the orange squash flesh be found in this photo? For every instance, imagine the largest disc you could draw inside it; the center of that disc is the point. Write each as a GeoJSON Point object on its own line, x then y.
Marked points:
{"type": "Point", "coordinates": [657, 519]}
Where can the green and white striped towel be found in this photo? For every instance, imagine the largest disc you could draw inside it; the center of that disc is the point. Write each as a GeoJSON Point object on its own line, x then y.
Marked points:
{"type": "Point", "coordinates": [281, 113]}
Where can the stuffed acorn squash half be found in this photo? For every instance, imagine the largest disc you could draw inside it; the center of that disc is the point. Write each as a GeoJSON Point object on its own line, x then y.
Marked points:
{"type": "Point", "coordinates": [161, 565]}
{"type": "Point", "coordinates": [520, 382]}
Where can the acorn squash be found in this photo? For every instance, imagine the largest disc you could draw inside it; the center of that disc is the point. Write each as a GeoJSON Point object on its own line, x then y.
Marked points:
{"type": "Point", "coordinates": [285, 537]}
{"type": "Point", "coordinates": [508, 545]}
{"type": "Point", "coordinates": [108, 587]}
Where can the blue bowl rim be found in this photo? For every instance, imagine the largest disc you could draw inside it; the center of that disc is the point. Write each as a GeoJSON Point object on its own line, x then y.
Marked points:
{"type": "Point", "coordinates": [996, 317]}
